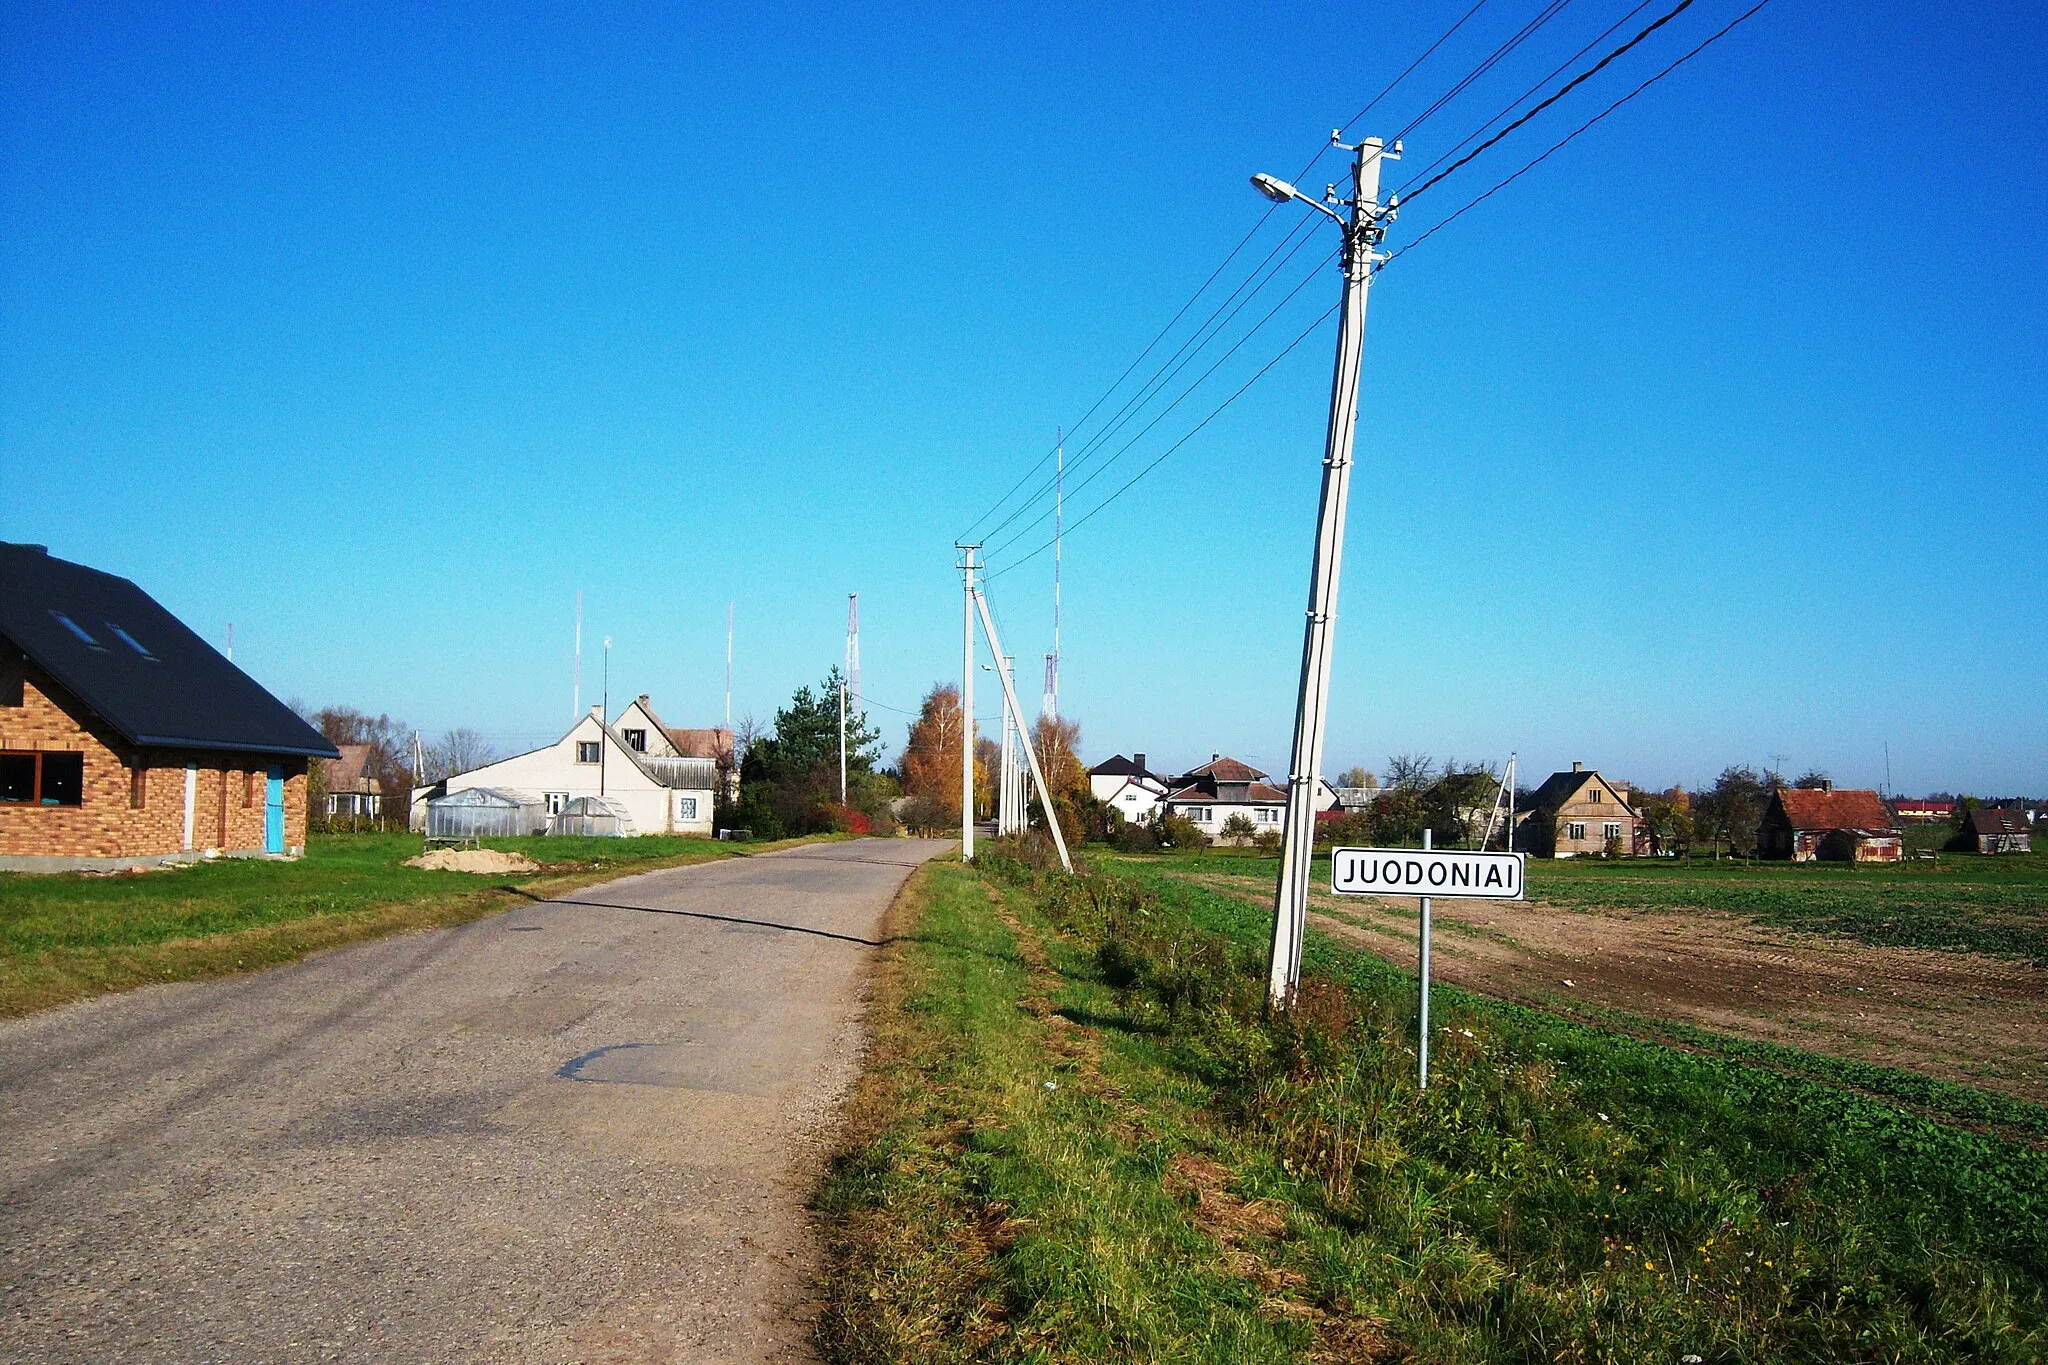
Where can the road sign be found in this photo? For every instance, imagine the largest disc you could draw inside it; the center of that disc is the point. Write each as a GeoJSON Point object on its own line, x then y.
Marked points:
{"type": "Point", "coordinates": [1427, 872]}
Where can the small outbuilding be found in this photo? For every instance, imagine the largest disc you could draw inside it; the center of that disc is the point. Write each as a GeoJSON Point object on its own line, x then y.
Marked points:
{"type": "Point", "coordinates": [1805, 824]}
{"type": "Point", "coordinates": [1993, 829]}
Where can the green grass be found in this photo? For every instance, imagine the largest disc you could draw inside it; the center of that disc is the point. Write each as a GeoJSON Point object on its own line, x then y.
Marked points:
{"type": "Point", "coordinates": [1992, 905]}
{"type": "Point", "coordinates": [1561, 1192]}
{"type": "Point", "coordinates": [66, 936]}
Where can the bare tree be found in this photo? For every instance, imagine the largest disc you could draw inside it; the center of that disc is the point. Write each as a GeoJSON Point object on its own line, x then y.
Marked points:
{"type": "Point", "coordinates": [459, 750]}
{"type": "Point", "coordinates": [1410, 772]}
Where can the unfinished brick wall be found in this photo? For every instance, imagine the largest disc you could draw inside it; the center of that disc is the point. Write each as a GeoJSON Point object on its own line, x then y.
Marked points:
{"type": "Point", "coordinates": [227, 807]}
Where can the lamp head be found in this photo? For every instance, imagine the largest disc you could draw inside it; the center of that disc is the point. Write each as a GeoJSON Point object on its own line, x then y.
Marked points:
{"type": "Point", "coordinates": [1277, 190]}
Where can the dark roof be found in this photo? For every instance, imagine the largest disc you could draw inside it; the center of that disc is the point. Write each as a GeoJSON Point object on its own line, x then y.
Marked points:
{"type": "Point", "coordinates": [1117, 766]}
{"type": "Point", "coordinates": [139, 668]}
{"type": "Point", "coordinates": [1236, 794]}
{"type": "Point", "coordinates": [1811, 809]}
{"type": "Point", "coordinates": [345, 774]}
{"type": "Point", "coordinates": [1559, 788]}
{"type": "Point", "coordinates": [1995, 820]}
{"type": "Point", "coordinates": [1224, 770]}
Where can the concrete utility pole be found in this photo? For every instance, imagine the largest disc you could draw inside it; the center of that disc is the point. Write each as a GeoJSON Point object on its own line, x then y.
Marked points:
{"type": "Point", "coordinates": [1363, 232]}
{"type": "Point", "coordinates": [1006, 814]}
{"type": "Point", "coordinates": [967, 703]}
{"type": "Point", "coordinates": [1016, 713]}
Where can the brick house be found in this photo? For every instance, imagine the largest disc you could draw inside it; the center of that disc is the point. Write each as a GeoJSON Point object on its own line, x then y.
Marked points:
{"type": "Point", "coordinates": [1577, 813]}
{"type": "Point", "coordinates": [1806, 824]}
{"type": "Point", "coordinates": [125, 739]}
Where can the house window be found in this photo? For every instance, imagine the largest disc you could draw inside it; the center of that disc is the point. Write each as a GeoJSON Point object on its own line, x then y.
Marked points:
{"type": "Point", "coordinates": [589, 750]}
{"type": "Point", "coordinates": [76, 629]}
{"type": "Point", "coordinates": [556, 802]}
{"type": "Point", "coordinates": [42, 779]}
{"type": "Point", "coordinates": [1267, 815]}
{"type": "Point", "coordinates": [1575, 830]}
{"type": "Point", "coordinates": [686, 808]}
{"type": "Point", "coordinates": [131, 642]}
{"type": "Point", "coordinates": [1199, 814]}
{"type": "Point", "coordinates": [1131, 797]}
{"type": "Point", "coordinates": [1593, 796]}
{"type": "Point", "coordinates": [1611, 831]}
{"type": "Point", "coordinates": [138, 786]}
{"type": "Point", "coordinates": [638, 739]}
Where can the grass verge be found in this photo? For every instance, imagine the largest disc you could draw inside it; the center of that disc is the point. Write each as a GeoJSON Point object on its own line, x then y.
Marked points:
{"type": "Point", "coordinates": [1202, 1182]}
{"type": "Point", "coordinates": [66, 937]}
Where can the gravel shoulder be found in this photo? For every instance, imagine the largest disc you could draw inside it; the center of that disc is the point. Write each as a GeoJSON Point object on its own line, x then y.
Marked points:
{"type": "Point", "coordinates": [579, 1130]}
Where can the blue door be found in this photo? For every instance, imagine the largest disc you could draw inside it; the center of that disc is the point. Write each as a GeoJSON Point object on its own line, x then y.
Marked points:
{"type": "Point", "coordinates": [273, 811]}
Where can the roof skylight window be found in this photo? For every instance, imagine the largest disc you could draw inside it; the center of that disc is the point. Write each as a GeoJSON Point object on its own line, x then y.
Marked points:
{"type": "Point", "coordinates": [131, 642]}
{"type": "Point", "coordinates": [75, 629]}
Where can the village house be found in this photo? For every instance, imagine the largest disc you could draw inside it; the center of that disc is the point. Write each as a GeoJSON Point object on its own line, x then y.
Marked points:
{"type": "Point", "coordinates": [128, 741]}
{"type": "Point", "coordinates": [1993, 829]}
{"type": "Point", "coordinates": [630, 771]}
{"type": "Point", "coordinates": [352, 794]}
{"type": "Point", "coordinates": [1127, 787]}
{"type": "Point", "coordinates": [1809, 823]}
{"type": "Point", "coordinates": [1924, 812]}
{"type": "Point", "coordinates": [1223, 787]}
{"type": "Point", "coordinates": [1577, 813]}
{"type": "Point", "coordinates": [644, 732]}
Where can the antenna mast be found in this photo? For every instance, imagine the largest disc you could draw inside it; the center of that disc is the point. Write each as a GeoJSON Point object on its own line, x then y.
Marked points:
{"type": "Point", "coordinates": [576, 695]}
{"type": "Point", "coordinates": [1051, 703]}
{"type": "Point", "coordinates": [853, 649]}
{"type": "Point", "coordinates": [728, 672]}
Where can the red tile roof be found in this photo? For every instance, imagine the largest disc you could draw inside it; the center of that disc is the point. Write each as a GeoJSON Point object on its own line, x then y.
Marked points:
{"type": "Point", "coordinates": [1227, 770]}
{"type": "Point", "coordinates": [1810, 809]}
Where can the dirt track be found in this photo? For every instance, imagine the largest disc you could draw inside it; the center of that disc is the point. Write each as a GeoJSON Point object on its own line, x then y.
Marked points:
{"type": "Point", "coordinates": [1960, 1016]}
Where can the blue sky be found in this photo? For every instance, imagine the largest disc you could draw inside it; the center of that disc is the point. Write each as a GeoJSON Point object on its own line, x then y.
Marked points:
{"type": "Point", "coordinates": [1717, 437]}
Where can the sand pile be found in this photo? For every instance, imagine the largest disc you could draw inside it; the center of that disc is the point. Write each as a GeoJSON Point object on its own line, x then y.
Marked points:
{"type": "Point", "coordinates": [473, 860]}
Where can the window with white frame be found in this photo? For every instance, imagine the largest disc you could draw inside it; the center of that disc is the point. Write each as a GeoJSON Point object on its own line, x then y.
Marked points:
{"type": "Point", "coordinates": [557, 802]}
{"type": "Point", "coordinates": [1575, 830]}
{"type": "Point", "coordinates": [1267, 815]}
{"type": "Point", "coordinates": [1198, 814]}
{"type": "Point", "coordinates": [686, 808]}
{"type": "Point", "coordinates": [1611, 831]}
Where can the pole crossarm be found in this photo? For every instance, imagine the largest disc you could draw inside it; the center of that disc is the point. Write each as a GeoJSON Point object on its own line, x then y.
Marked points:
{"type": "Point", "coordinates": [1052, 817]}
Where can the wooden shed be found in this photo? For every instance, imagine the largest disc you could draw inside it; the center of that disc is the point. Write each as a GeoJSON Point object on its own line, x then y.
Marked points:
{"type": "Point", "coordinates": [1805, 824]}
{"type": "Point", "coordinates": [1993, 829]}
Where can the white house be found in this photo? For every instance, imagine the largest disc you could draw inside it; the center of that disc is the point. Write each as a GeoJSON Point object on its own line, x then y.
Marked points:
{"type": "Point", "coordinates": [657, 792]}
{"type": "Point", "coordinates": [1127, 786]}
{"type": "Point", "coordinates": [644, 732]}
{"type": "Point", "coordinates": [1223, 787]}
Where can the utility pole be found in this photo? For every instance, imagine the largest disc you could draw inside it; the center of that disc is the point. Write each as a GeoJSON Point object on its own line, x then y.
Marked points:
{"type": "Point", "coordinates": [1052, 820]}
{"type": "Point", "coordinates": [1005, 814]}
{"type": "Point", "coordinates": [1363, 231]}
{"type": "Point", "coordinates": [849, 677]}
{"type": "Point", "coordinates": [967, 702]}
{"type": "Point", "coordinates": [1051, 705]}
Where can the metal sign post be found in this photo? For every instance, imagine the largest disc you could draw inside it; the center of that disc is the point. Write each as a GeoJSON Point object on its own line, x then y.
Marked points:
{"type": "Point", "coordinates": [1459, 874]}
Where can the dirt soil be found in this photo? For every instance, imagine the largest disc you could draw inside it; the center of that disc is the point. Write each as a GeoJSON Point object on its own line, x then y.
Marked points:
{"type": "Point", "coordinates": [1959, 1016]}
{"type": "Point", "coordinates": [473, 860]}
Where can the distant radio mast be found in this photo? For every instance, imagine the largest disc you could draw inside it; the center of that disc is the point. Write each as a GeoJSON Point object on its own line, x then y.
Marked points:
{"type": "Point", "coordinates": [728, 672]}
{"type": "Point", "coordinates": [1051, 703]}
{"type": "Point", "coordinates": [853, 649]}
{"type": "Point", "coordinates": [576, 691]}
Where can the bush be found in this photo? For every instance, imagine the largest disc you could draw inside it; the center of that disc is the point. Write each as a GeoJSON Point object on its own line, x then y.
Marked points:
{"type": "Point", "coordinates": [1239, 828]}
{"type": "Point", "coordinates": [924, 815]}
{"type": "Point", "coordinates": [1138, 836]}
{"type": "Point", "coordinates": [1267, 841]}
{"type": "Point", "coordinates": [1179, 832]}
{"type": "Point", "coordinates": [842, 819]}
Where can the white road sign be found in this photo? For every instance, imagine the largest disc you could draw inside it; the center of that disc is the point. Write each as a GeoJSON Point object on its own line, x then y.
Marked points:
{"type": "Point", "coordinates": [1427, 872]}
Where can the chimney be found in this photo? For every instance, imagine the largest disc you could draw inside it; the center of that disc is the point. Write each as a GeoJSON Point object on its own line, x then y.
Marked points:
{"type": "Point", "coordinates": [1139, 759]}
{"type": "Point", "coordinates": [1577, 766]}
{"type": "Point", "coordinates": [597, 712]}
{"type": "Point", "coordinates": [1214, 758]}
{"type": "Point", "coordinates": [1827, 784]}
{"type": "Point", "coordinates": [643, 699]}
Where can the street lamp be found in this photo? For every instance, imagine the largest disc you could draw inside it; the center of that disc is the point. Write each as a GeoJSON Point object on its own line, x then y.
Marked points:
{"type": "Point", "coordinates": [1363, 230]}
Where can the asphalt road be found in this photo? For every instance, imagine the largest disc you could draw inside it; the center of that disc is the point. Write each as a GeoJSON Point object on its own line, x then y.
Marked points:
{"type": "Point", "coordinates": [581, 1130]}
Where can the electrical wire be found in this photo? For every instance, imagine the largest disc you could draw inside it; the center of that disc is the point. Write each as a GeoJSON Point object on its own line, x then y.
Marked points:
{"type": "Point", "coordinates": [1242, 242]}
{"type": "Point", "coordinates": [1560, 144]}
{"type": "Point", "coordinates": [1574, 83]}
{"type": "Point", "coordinates": [1498, 55]}
{"type": "Point", "coordinates": [1305, 281]}
{"type": "Point", "coordinates": [1213, 414]}
{"type": "Point", "coordinates": [1515, 103]}
{"type": "Point", "coordinates": [1203, 334]}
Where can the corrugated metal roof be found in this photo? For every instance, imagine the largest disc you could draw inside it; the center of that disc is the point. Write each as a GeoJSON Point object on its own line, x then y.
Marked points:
{"type": "Point", "coordinates": [139, 668]}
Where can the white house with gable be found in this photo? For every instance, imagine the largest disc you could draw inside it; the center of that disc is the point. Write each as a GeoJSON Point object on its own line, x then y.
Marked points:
{"type": "Point", "coordinates": [645, 782]}
{"type": "Point", "coordinates": [1128, 787]}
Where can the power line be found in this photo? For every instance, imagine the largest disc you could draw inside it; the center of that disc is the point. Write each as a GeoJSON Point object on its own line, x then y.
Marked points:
{"type": "Point", "coordinates": [1214, 412]}
{"type": "Point", "coordinates": [1199, 339]}
{"type": "Point", "coordinates": [1574, 83]}
{"type": "Point", "coordinates": [1515, 103]}
{"type": "Point", "coordinates": [1560, 144]}
{"type": "Point", "coordinates": [1184, 395]}
{"type": "Point", "coordinates": [1498, 55]}
{"type": "Point", "coordinates": [1236, 250]}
